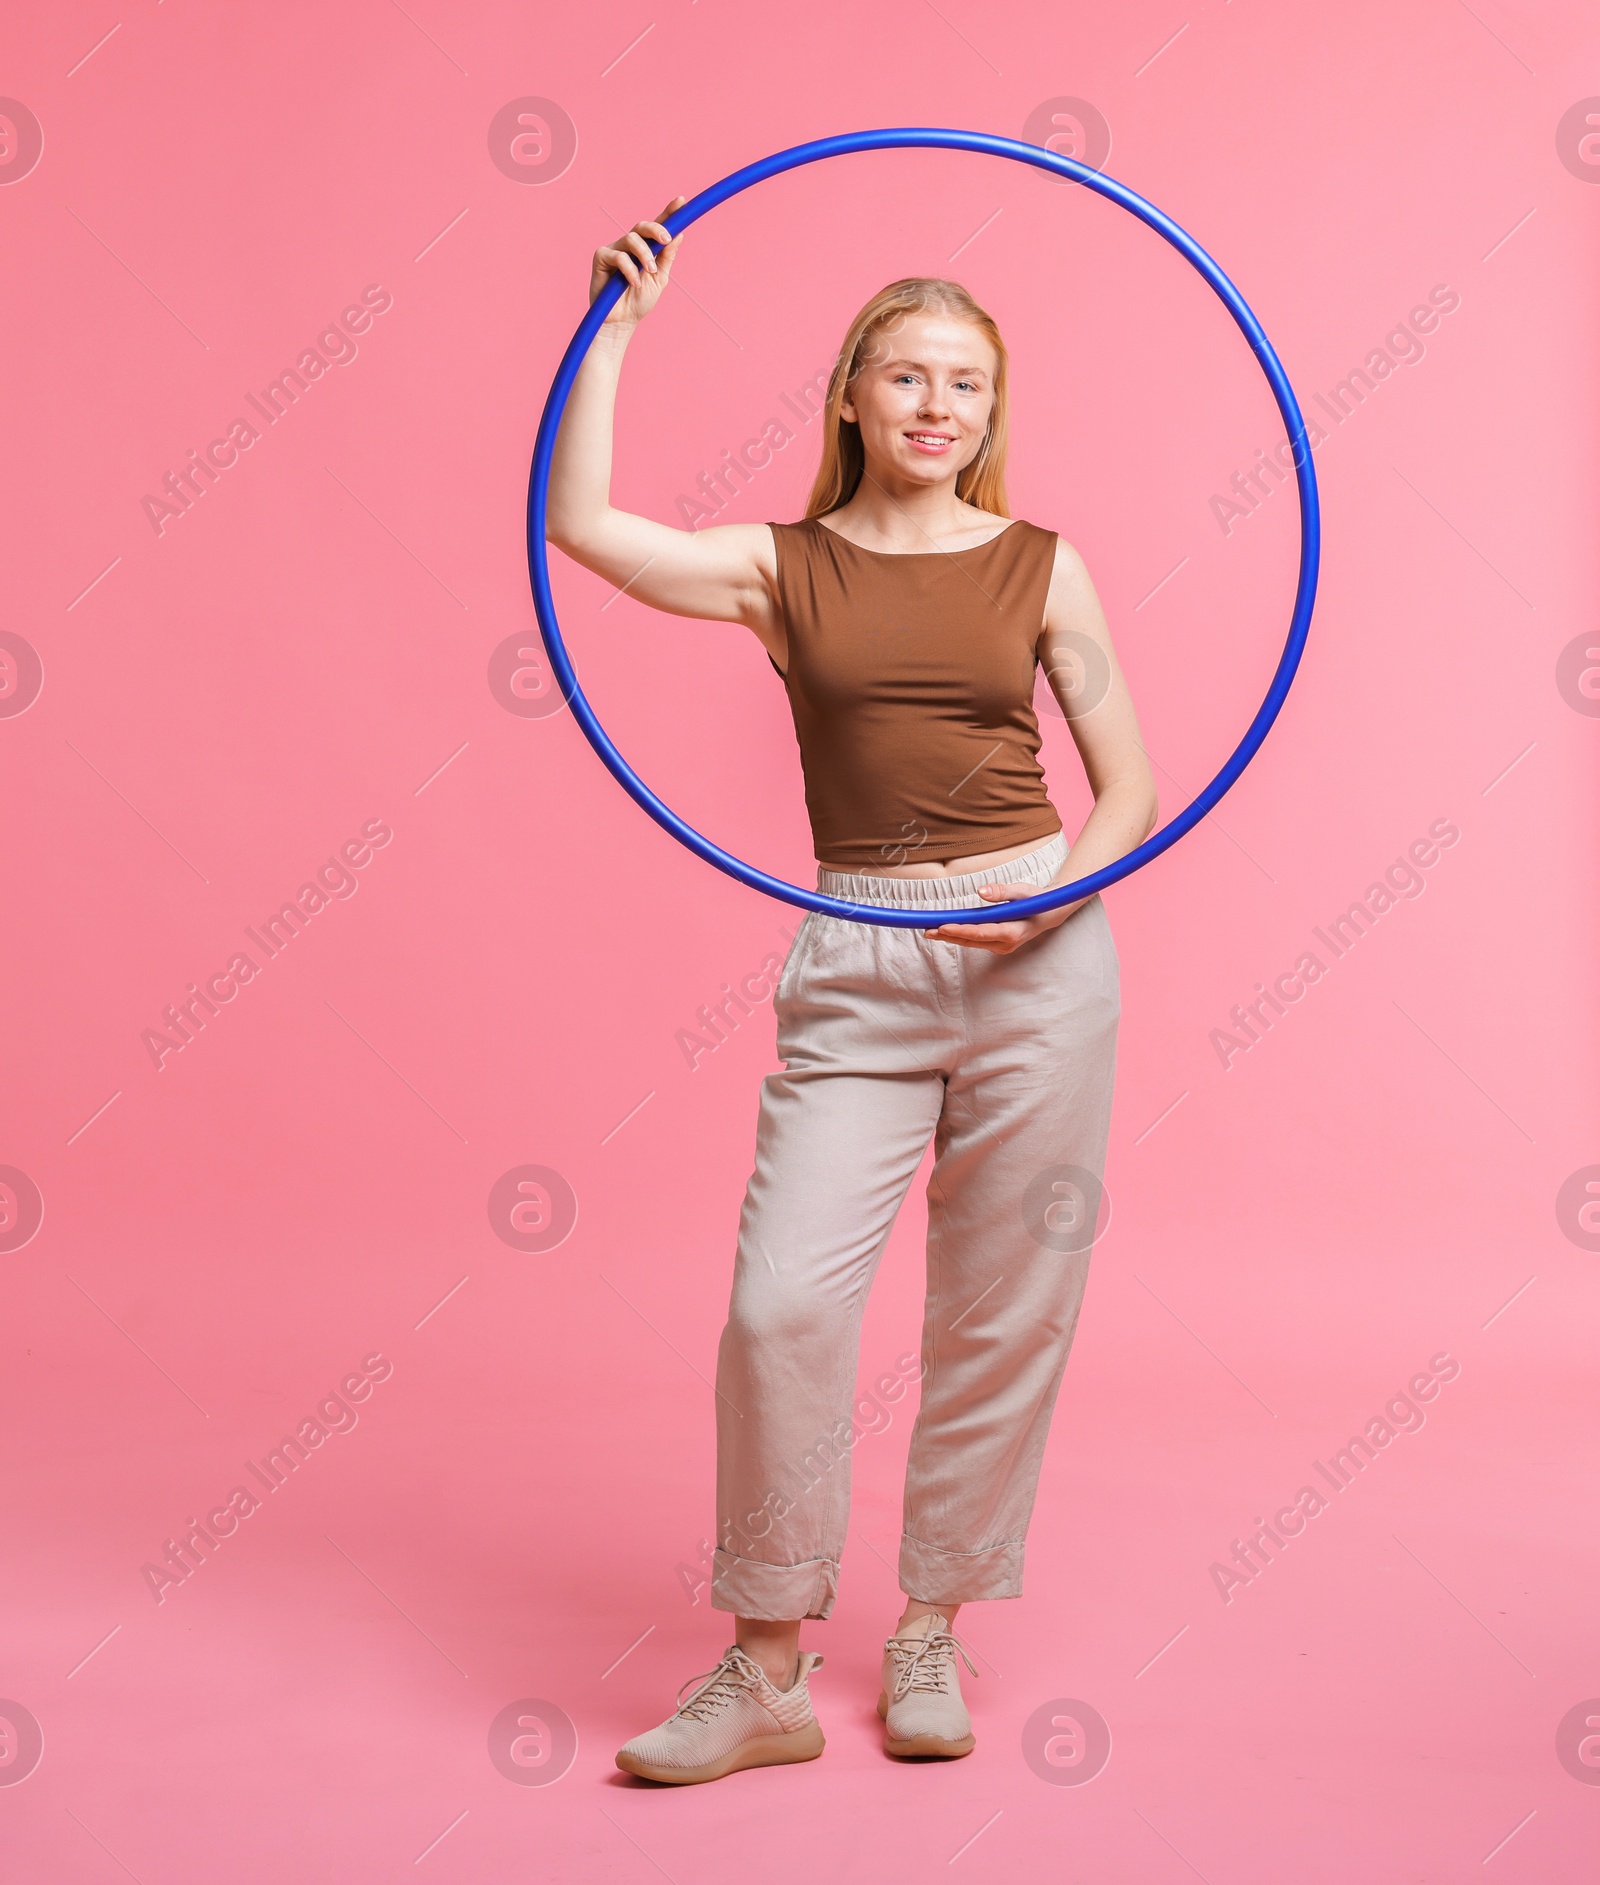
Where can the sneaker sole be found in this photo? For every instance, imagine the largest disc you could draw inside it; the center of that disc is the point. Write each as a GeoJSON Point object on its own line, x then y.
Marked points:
{"type": "Point", "coordinates": [925, 1745]}
{"type": "Point", "coordinates": [768, 1750]}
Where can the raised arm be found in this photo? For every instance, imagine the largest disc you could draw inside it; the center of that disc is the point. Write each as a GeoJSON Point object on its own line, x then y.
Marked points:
{"type": "Point", "coordinates": [726, 573]}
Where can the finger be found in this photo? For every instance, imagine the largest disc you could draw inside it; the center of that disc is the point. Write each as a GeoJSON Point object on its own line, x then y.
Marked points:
{"type": "Point", "coordinates": [639, 246]}
{"type": "Point", "coordinates": [626, 266]}
{"type": "Point", "coordinates": [665, 234]}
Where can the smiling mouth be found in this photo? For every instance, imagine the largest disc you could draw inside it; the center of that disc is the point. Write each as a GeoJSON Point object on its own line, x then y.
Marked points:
{"type": "Point", "coordinates": [931, 441]}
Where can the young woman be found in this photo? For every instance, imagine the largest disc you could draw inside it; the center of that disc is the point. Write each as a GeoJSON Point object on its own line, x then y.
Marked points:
{"type": "Point", "coordinates": [906, 617]}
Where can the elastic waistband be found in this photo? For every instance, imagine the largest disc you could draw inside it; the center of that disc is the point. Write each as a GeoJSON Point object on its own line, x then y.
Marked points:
{"type": "Point", "coordinates": [941, 893]}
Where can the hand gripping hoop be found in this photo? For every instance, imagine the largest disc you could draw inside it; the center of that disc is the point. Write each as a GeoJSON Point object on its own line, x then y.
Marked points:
{"type": "Point", "coordinates": [1305, 477]}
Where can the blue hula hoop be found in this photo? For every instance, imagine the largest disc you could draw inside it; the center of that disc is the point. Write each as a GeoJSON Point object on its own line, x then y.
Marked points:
{"type": "Point", "coordinates": [1305, 478]}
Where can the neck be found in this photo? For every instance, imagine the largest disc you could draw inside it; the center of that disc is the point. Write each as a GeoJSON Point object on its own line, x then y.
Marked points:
{"type": "Point", "coordinates": [903, 516]}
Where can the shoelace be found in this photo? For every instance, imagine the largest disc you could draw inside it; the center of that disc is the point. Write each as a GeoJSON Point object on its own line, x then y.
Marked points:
{"type": "Point", "coordinates": [736, 1671]}
{"type": "Point", "coordinates": [921, 1661]}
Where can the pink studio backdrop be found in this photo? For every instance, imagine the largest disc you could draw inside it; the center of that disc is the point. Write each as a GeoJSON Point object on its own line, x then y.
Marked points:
{"type": "Point", "coordinates": [502, 1521]}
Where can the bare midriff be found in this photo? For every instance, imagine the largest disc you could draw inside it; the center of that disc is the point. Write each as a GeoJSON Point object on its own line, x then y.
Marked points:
{"type": "Point", "coordinates": [950, 867]}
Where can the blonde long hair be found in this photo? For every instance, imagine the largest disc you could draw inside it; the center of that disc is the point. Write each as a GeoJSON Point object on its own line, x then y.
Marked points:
{"type": "Point", "coordinates": [982, 483]}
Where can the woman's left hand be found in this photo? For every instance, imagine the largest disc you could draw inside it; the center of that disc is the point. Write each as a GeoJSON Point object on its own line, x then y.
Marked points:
{"type": "Point", "coordinates": [1002, 938]}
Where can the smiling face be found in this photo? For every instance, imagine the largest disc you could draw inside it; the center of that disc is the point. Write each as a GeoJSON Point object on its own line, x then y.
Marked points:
{"type": "Point", "coordinates": [923, 399]}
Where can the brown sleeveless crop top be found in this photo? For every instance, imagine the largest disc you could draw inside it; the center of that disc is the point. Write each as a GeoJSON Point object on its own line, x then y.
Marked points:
{"type": "Point", "coordinates": [911, 679]}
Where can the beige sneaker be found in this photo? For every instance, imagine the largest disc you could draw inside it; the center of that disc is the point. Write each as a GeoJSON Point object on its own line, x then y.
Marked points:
{"type": "Point", "coordinates": [735, 1718]}
{"type": "Point", "coordinates": [921, 1704]}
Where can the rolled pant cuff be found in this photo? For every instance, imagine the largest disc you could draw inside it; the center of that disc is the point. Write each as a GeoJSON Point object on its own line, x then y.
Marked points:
{"type": "Point", "coordinates": [933, 1576]}
{"type": "Point", "coordinates": [776, 1593]}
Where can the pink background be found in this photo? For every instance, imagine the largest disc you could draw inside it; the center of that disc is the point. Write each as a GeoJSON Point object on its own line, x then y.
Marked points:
{"type": "Point", "coordinates": [518, 1512]}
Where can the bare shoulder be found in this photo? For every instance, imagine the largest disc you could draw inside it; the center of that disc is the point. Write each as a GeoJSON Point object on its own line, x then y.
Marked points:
{"type": "Point", "coordinates": [1071, 601]}
{"type": "Point", "coordinates": [724, 573]}
{"type": "Point", "coordinates": [744, 558]}
{"type": "Point", "coordinates": [738, 547]}
{"type": "Point", "coordinates": [1069, 569]}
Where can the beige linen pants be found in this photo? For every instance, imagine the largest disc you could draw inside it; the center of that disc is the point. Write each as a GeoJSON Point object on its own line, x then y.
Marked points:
{"type": "Point", "coordinates": [1006, 1063]}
